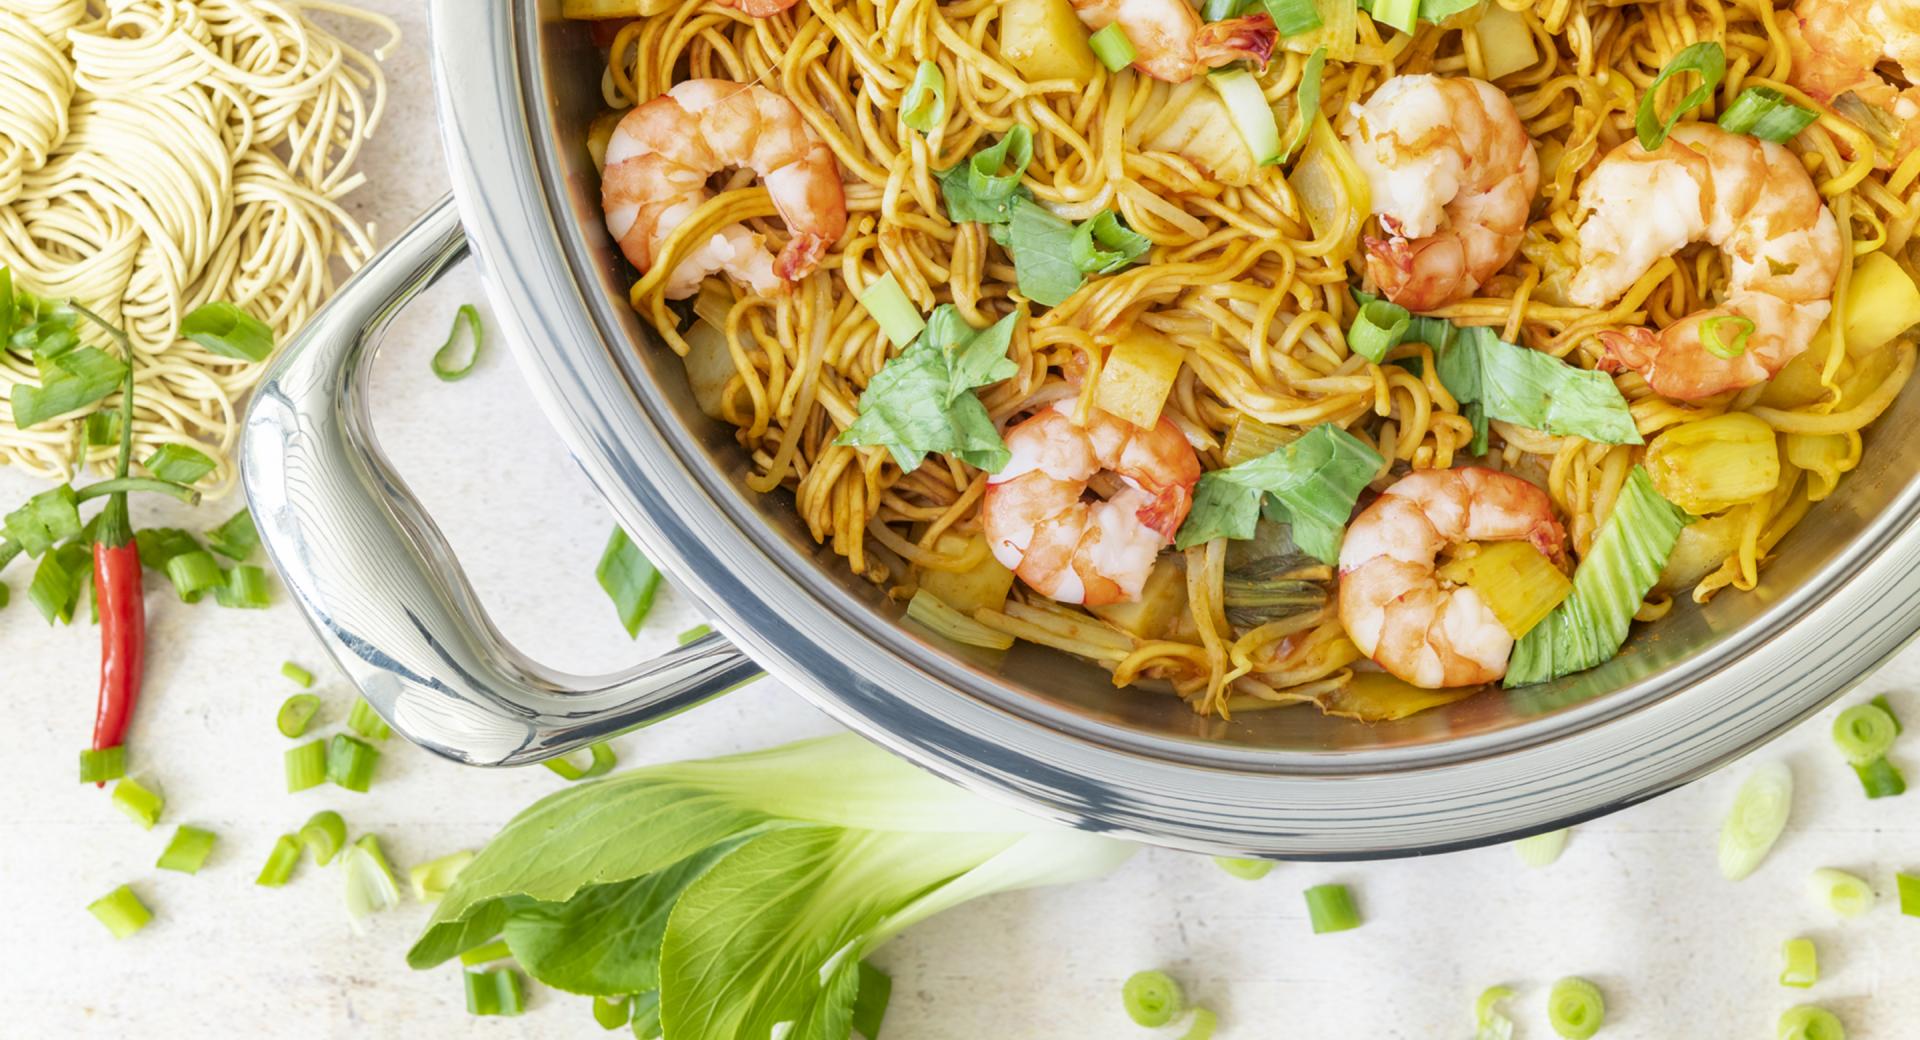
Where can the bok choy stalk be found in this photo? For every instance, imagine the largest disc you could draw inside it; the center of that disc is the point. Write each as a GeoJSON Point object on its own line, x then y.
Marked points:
{"type": "Point", "coordinates": [736, 894]}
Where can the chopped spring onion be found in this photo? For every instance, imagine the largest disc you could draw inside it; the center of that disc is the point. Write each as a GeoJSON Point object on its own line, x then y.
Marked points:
{"type": "Point", "coordinates": [46, 519]}
{"type": "Point", "coordinates": [936, 616]}
{"type": "Point", "coordinates": [192, 573]}
{"type": "Point", "coordinates": [1252, 115]}
{"type": "Point", "coordinates": [1881, 778]}
{"type": "Point", "coordinates": [1201, 1026]}
{"type": "Point", "coordinates": [1152, 998]}
{"type": "Point", "coordinates": [103, 764]}
{"type": "Point", "coordinates": [1378, 328]}
{"type": "Point", "coordinates": [1754, 823]}
{"type": "Point", "coordinates": [493, 951]}
{"type": "Point", "coordinates": [103, 428]}
{"type": "Point", "coordinates": [362, 719]}
{"type": "Point", "coordinates": [1846, 895]}
{"type": "Point", "coordinates": [602, 762]}
{"type": "Point", "coordinates": [306, 765]}
{"type": "Point", "coordinates": [1808, 1022]}
{"type": "Point", "coordinates": [1307, 100]}
{"type": "Point", "coordinates": [1540, 850]}
{"type": "Point", "coordinates": [1711, 336]}
{"type": "Point", "coordinates": [228, 331]}
{"type": "Point", "coordinates": [237, 538]}
{"type": "Point", "coordinates": [323, 836]}
{"type": "Point", "coordinates": [1244, 869]}
{"type": "Point", "coordinates": [1330, 908]}
{"type": "Point", "coordinates": [1767, 114]}
{"type": "Point", "coordinates": [1221, 10]}
{"type": "Point", "coordinates": [612, 1012]}
{"type": "Point", "coordinates": [1709, 60]}
{"type": "Point", "coordinates": [924, 105]}
{"type": "Point", "coordinates": [280, 862]}
{"type": "Point", "coordinates": [446, 361]}
{"type": "Point", "coordinates": [350, 762]}
{"type": "Point", "coordinates": [121, 911]}
{"type": "Point", "coordinates": [179, 463]}
{"type": "Point", "coordinates": [1103, 244]}
{"type": "Point", "coordinates": [370, 883]}
{"type": "Point", "coordinates": [1909, 886]}
{"type": "Point", "coordinates": [295, 712]}
{"type": "Point", "coordinates": [1575, 1009]}
{"type": "Point", "coordinates": [1112, 47]}
{"type": "Point", "coordinates": [187, 851]}
{"type": "Point", "coordinates": [246, 589]}
{"type": "Point", "coordinates": [495, 992]}
{"type": "Point", "coordinates": [1489, 1022]}
{"type": "Point", "coordinates": [75, 380]}
{"type": "Point", "coordinates": [1400, 14]}
{"type": "Point", "coordinates": [896, 315]}
{"type": "Point", "coordinates": [1799, 963]}
{"type": "Point", "coordinates": [691, 634]}
{"type": "Point", "coordinates": [1864, 732]}
{"type": "Point", "coordinates": [141, 805]}
{"type": "Point", "coordinates": [629, 579]}
{"type": "Point", "coordinates": [1886, 705]}
{"type": "Point", "coordinates": [300, 676]}
{"type": "Point", "coordinates": [430, 880]}
{"type": "Point", "coordinates": [1013, 151]}
{"type": "Point", "coordinates": [1293, 17]}
{"type": "Point", "coordinates": [160, 544]}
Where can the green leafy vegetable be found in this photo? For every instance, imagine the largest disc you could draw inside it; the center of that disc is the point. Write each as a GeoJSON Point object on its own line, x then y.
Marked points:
{"type": "Point", "coordinates": [963, 206]}
{"type": "Point", "coordinates": [1310, 484]}
{"type": "Point", "coordinates": [179, 463]}
{"type": "Point", "coordinates": [1293, 17]}
{"type": "Point", "coordinates": [237, 538]}
{"type": "Point", "coordinates": [228, 331]}
{"type": "Point", "coordinates": [103, 428]}
{"type": "Point", "coordinates": [1104, 244]}
{"type": "Point", "coordinates": [629, 579]}
{"type": "Point", "coordinates": [72, 381]}
{"type": "Point", "coordinates": [1042, 245]}
{"type": "Point", "coordinates": [1011, 154]}
{"type": "Point", "coordinates": [922, 401]}
{"type": "Point", "coordinates": [870, 1004]}
{"type": "Point", "coordinates": [1709, 61]}
{"type": "Point", "coordinates": [45, 520]}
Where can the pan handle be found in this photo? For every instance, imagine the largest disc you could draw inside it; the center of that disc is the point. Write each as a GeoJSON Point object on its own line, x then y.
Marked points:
{"type": "Point", "coordinates": [376, 578]}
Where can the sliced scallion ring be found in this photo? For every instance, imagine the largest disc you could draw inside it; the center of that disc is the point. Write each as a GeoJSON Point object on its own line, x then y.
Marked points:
{"type": "Point", "coordinates": [1152, 998]}
{"type": "Point", "coordinates": [1378, 328]}
{"type": "Point", "coordinates": [447, 363]}
{"type": "Point", "coordinates": [1808, 1022]}
{"type": "Point", "coordinates": [280, 862]}
{"type": "Point", "coordinates": [1307, 99]}
{"type": "Point", "coordinates": [323, 835]}
{"type": "Point", "coordinates": [924, 105]}
{"type": "Point", "coordinates": [1799, 963]}
{"type": "Point", "coordinates": [602, 762]}
{"type": "Point", "coordinates": [1864, 733]}
{"type": "Point", "coordinates": [1013, 151]}
{"type": "Point", "coordinates": [1244, 869]}
{"type": "Point", "coordinates": [1709, 60]}
{"type": "Point", "coordinates": [1540, 850]}
{"type": "Point", "coordinates": [1330, 909]}
{"type": "Point", "coordinates": [295, 712]}
{"type": "Point", "coordinates": [1880, 778]}
{"type": "Point", "coordinates": [1843, 894]}
{"type": "Point", "coordinates": [1754, 823]}
{"type": "Point", "coordinates": [1766, 113]}
{"type": "Point", "coordinates": [121, 911]}
{"type": "Point", "coordinates": [1112, 47]}
{"type": "Point", "coordinates": [1725, 335]}
{"type": "Point", "coordinates": [1575, 1008]}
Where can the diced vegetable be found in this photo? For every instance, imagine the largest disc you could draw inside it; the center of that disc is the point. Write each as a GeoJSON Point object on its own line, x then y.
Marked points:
{"type": "Point", "coordinates": [103, 764]}
{"type": "Point", "coordinates": [1137, 376]}
{"type": "Point", "coordinates": [295, 712]}
{"type": "Point", "coordinates": [1339, 31]}
{"type": "Point", "coordinates": [1162, 602]}
{"type": "Point", "coordinates": [924, 105]}
{"type": "Point", "coordinates": [1249, 438]}
{"type": "Point", "coordinates": [1112, 47]}
{"type": "Point", "coordinates": [1244, 869]}
{"type": "Point", "coordinates": [1799, 963]}
{"type": "Point", "coordinates": [278, 868]}
{"type": "Point", "coordinates": [430, 880]}
{"type": "Point", "coordinates": [1201, 1025]}
{"type": "Point", "coordinates": [1808, 1022]}
{"type": "Point", "coordinates": [1330, 909]}
{"type": "Point", "coordinates": [350, 762]}
{"type": "Point", "coordinates": [1707, 465]}
{"type": "Point", "coordinates": [362, 719]}
{"type": "Point", "coordinates": [1506, 43]}
{"type": "Point", "coordinates": [141, 805]}
{"type": "Point", "coordinates": [1882, 303]}
{"type": "Point", "coordinates": [1755, 820]}
{"type": "Point", "coordinates": [496, 992]}
{"type": "Point", "coordinates": [1767, 114]}
{"type": "Point", "coordinates": [1043, 40]}
{"type": "Point", "coordinates": [1880, 778]}
{"type": "Point", "coordinates": [323, 835]}
{"type": "Point", "coordinates": [981, 587]}
{"type": "Point", "coordinates": [121, 911]}
{"type": "Point", "coordinates": [1909, 889]}
{"type": "Point", "coordinates": [371, 886]}
{"type": "Point", "coordinates": [1251, 113]}
{"type": "Point", "coordinates": [1575, 1008]}
{"type": "Point", "coordinates": [1541, 850]}
{"type": "Point", "coordinates": [1378, 328]}
{"type": "Point", "coordinates": [1514, 580]}
{"type": "Point", "coordinates": [1841, 893]}
{"type": "Point", "coordinates": [942, 620]}
{"type": "Point", "coordinates": [1152, 998]}
{"type": "Point", "coordinates": [898, 318]}
{"type": "Point", "coordinates": [1864, 733]}
{"type": "Point", "coordinates": [187, 851]}
{"type": "Point", "coordinates": [299, 675]}
{"type": "Point", "coordinates": [306, 765]}
{"type": "Point", "coordinates": [1489, 1023]}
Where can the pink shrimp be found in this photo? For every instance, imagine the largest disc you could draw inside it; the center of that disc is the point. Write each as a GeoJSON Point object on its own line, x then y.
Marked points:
{"type": "Point", "coordinates": [758, 8]}
{"type": "Point", "coordinates": [1171, 43]}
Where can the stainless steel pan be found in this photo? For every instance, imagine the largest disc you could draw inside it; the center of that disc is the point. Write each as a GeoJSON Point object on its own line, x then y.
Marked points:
{"type": "Point", "coordinates": [516, 87]}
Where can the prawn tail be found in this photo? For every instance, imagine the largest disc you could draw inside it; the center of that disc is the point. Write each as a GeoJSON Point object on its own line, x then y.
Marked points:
{"type": "Point", "coordinates": [1166, 511]}
{"type": "Point", "coordinates": [1628, 349]}
{"type": "Point", "coordinates": [801, 256]}
{"type": "Point", "coordinates": [1419, 275]}
{"type": "Point", "coordinates": [1251, 38]}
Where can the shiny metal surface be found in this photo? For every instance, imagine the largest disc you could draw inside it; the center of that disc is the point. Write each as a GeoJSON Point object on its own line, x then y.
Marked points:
{"type": "Point", "coordinates": [377, 580]}
{"type": "Point", "coordinates": [517, 87]}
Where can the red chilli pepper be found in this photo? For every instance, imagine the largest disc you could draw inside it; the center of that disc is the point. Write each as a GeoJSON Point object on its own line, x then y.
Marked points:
{"type": "Point", "coordinates": [116, 586]}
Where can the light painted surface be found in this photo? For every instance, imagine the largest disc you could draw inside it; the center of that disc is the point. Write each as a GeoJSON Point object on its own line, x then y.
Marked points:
{"type": "Point", "coordinates": [1636, 904]}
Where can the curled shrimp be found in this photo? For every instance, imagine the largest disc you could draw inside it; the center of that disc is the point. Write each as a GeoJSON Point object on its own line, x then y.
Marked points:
{"type": "Point", "coordinates": [1453, 174]}
{"type": "Point", "coordinates": [1171, 43]}
{"type": "Point", "coordinates": [1837, 47]}
{"type": "Point", "coordinates": [1393, 603]}
{"type": "Point", "coordinates": [1753, 200]}
{"type": "Point", "coordinates": [662, 153]}
{"type": "Point", "coordinates": [1041, 527]}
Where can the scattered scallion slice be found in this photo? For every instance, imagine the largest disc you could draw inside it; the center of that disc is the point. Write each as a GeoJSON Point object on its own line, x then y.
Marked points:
{"type": "Point", "coordinates": [1489, 1022]}
{"type": "Point", "coordinates": [1767, 114]}
{"type": "Point", "coordinates": [1012, 153]}
{"type": "Point", "coordinates": [1112, 47]}
{"type": "Point", "coordinates": [1378, 328]}
{"type": "Point", "coordinates": [1881, 778]}
{"type": "Point", "coordinates": [1808, 1022]}
{"type": "Point", "coordinates": [1293, 17]}
{"type": "Point", "coordinates": [371, 887]}
{"type": "Point", "coordinates": [228, 331]}
{"type": "Point", "coordinates": [362, 719]}
{"type": "Point", "coordinates": [898, 318]}
{"type": "Point", "coordinates": [103, 764]}
{"type": "Point", "coordinates": [1244, 869]}
{"type": "Point", "coordinates": [1725, 335]}
{"type": "Point", "coordinates": [629, 579]}
{"type": "Point", "coordinates": [141, 805]}
{"type": "Point", "coordinates": [602, 762]}
{"type": "Point", "coordinates": [1400, 14]}
{"type": "Point", "coordinates": [495, 992]}
{"type": "Point", "coordinates": [924, 105]}
{"type": "Point", "coordinates": [1863, 733]}
{"type": "Point", "coordinates": [187, 851]}
{"type": "Point", "coordinates": [1753, 824]}
{"type": "Point", "coordinates": [246, 588]}
{"type": "Point", "coordinates": [612, 1012]}
{"type": "Point", "coordinates": [179, 463]}
{"type": "Point", "coordinates": [1539, 850]}
{"type": "Point", "coordinates": [490, 952]}
{"type": "Point", "coordinates": [299, 675]}
{"type": "Point", "coordinates": [121, 911]}
{"type": "Point", "coordinates": [350, 762]}
{"type": "Point", "coordinates": [430, 880]}
{"type": "Point", "coordinates": [1909, 886]}
{"type": "Point", "coordinates": [1886, 705]}
{"type": "Point", "coordinates": [295, 712]}
{"type": "Point", "coordinates": [693, 633]}
{"type": "Point", "coordinates": [280, 862]}
{"type": "Point", "coordinates": [1330, 908]}
{"type": "Point", "coordinates": [306, 765]}
{"type": "Point", "coordinates": [323, 836]}
{"type": "Point", "coordinates": [1575, 1008]}
{"type": "Point", "coordinates": [447, 363]}
{"type": "Point", "coordinates": [236, 539]}
{"type": "Point", "coordinates": [1844, 894]}
{"type": "Point", "coordinates": [1709, 61]}
{"type": "Point", "coordinates": [1201, 1025]}
{"type": "Point", "coordinates": [1799, 963]}
{"type": "Point", "coordinates": [933, 613]}
{"type": "Point", "coordinates": [193, 573]}
{"type": "Point", "coordinates": [1152, 998]}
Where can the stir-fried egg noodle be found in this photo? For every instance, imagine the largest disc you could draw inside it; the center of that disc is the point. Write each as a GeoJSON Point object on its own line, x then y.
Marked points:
{"type": "Point", "coordinates": [1251, 274]}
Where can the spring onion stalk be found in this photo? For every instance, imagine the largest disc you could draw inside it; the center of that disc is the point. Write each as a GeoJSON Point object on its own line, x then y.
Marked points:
{"type": "Point", "coordinates": [371, 886]}
{"type": "Point", "coordinates": [246, 588]}
{"type": "Point", "coordinates": [193, 573]}
{"type": "Point", "coordinates": [237, 538]}
{"type": "Point", "coordinates": [141, 805]}
{"type": "Point", "coordinates": [898, 318]}
{"type": "Point", "coordinates": [924, 105]}
{"type": "Point", "coordinates": [1331, 909]}
{"type": "Point", "coordinates": [306, 765]}
{"type": "Point", "coordinates": [1152, 998]}
{"type": "Point", "coordinates": [1863, 733]}
{"type": "Point", "coordinates": [936, 616]}
{"type": "Point", "coordinates": [1881, 778]}
{"type": "Point", "coordinates": [1540, 850]}
{"type": "Point", "coordinates": [300, 676]}
{"type": "Point", "coordinates": [98, 765]}
{"type": "Point", "coordinates": [295, 712]}
{"type": "Point", "coordinates": [1489, 1023]}
{"type": "Point", "coordinates": [1013, 152]}
{"type": "Point", "coordinates": [121, 911]}
{"type": "Point", "coordinates": [1400, 14]}
{"type": "Point", "coordinates": [1250, 111]}
{"type": "Point", "coordinates": [350, 762]}
{"type": "Point", "coordinates": [362, 719]}
{"type": "Point", "coordinates": [323, 836]}
{"type": "Point", "coordinates": [1201, 1025]}
{"type": "Point", "coordinates": [493, 951]}
{"type": "Point", "coordinates": [628, 578]}
{"type": "Point", "coordinates": [1575, 1008]}
{"type": "Point", "coordinates": [1112, 47]}
{"type": "Point", "coordinates": [1767, 114]}
{"type": "Point", "coordinates": [187, 851]}
{"type": "Point", "coordinates": [1909, 886]}
{"type": "Point", "coordinates": [1808, 1022]}
{"type": "Point", "coordinates": [280, 862]}
{"type": "Point", "coordinates": [691, 634]}
{"type": "Point", "coordinates": [1709, 60]}
{"type": "Point", "coordinates": [447, 361]}
{"type": "Point", "coordinates": [1725, 335]}
{"type": "Point", "coordinates": [1244, 869]}
{"type": "Point", "coordinates": [1844, 894]}
{"type": "Point", "coordinates": [1378, 328]}
{"type": "Point", "coordinates": [612, 1012]}
{"type": "Point", "coordinates": [1799, 963]}
{"type": "Point", "coordinates": [1293, 17]}
{"type": "Point", "coordinates": [1754, 823]}
{"type": "Point", "coordinates": [601, 763]}
{"type": "Point", "coordinates": [1886, 705]}
{"type": "Point", "coordinates": [430, 880]}
{"type": "Point", "coordinates": [495, 992]}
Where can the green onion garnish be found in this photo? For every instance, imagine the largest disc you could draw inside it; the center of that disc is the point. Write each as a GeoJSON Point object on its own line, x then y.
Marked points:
{"type": "Point", "coordinates": [45, 520]}
{"type": "Point", "coordinates": [1541, 850]}
{"type": "Point", "coordinates": [1293, 17]}
{"type": "Point", "coordinates": [1799, 963]}
{"type": "Point", "coordinates": [1221, 10]}
{"type": "Point", "coordinates": [295, 712]}
{"type": "Point", "coordinates": [300, 676]}
{"type": "Point", "coordinates": [228, 331]}
{"type": "Point", "coordinates": [446, 361]}
{"type": "Point", "coordinates": [1709, 60]}
{"type": "Point", "coordinates": [362, 719]}
{"type": "Point", "coordinates": [246, 588]}
{"type": "Point", "coordinates": [280, 862]}
{"type": "Point", "coordinates": [179, 463]}
{"type": "Point", "coordinates": [350, 762]}
{"type": "Point", "coordinates": [694, 633]}
{"type": "Point", "coordinates": [187, 851]}
{"type": "Point", "coordinates": [1400, 14]}
{"type": "Point", "coordinates": [1103, 244]}
{"type": "Point", "coordinates": [1112, 47]}
{"type": "Point", "coordinates": [1713, 338]}
{"type": "Point", "coordinates": [1201, 1025]}
{"type": "Point", "coordinates": [603, 761]}
{"type": "Point", "coordinates": [103, 429]}
{"type": "Point", "coordinates": [370, 883]}
{"type": "Point", "coordinates": [1244, 869]}
{"type": "Point", "coordinates": [1152, 998]}
{"type": "Point", "coordinates": [493, 951]}
{"type": "Point", "coordinates": [1881, 778]}
{"type": "Point", "coordinates": [612, 1012]}
{"type": "Point", "coordinates": [323, 836]}
{"type": "Point", "coordinates": [1808, 1022]}
{"type": "Point", "coordinates": [141, 805]}
{"type": "Point", "coordinates": [237, 538]}
{"type": "Point", "coordinates": [121, 911]}
{"type": "Point", "coordinates": [192, 573]}
{"type": "Point", "coordinates": [1330, 908]}
{"type": "Point", "coordinates": [494, 992]}
{"type": "Point", "coordinates": [1754, 823]}
{"type": "Point", "coordinates": [1840, 892]}
{"type": "Point", "coordinates": [103, 764]}
{"type": "Point", "coordinates": [1378, 328]}
{"type": "Point", "coordinates": [1575, 1009]}
{"type": "Point", "coordinates": [1909, 886]}
{"type": "Point", "coordinates": [1014, 151]}
{"type": "Point", "coordinates": [898, 318]}
{"type": "Point", "coordinates": [1863, 733]}
{"type": "Point", "coordinates": [306, 765]}
{"type": "Point", "coordinates": [1307, 101]}
{"type": "Point", "coordinates": [1767, 114]}
{"type": "Point", "coordinates": [628, 578]}
{"type": "Point", "coordinates": [1886, 705]}
{"type": "Point", "coordinates": [431, 879]}
{"type": "Point", "coordinates": [1488, 1021]}
{"type": "Point", "coordinates": [924, 105]}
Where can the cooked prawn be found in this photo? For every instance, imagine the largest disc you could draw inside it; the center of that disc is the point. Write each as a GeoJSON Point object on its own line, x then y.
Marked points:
{"type": "Point", "coordinates": [662, 153]}
{"type": "Point", "coordinates": [1393, 603]}
{"type": "Point", "coordinates": [1071, 550]}
{"type": "Point", "coordinates": [1753, 200]}
{"type": "Point", "coordinates": [1171, 43]}
{"type": "Point", "coordinates": [1838, 45]}
{"type": "Point", "coordinates": [1453, 174]}
{"type": "Point", "coordinates": [758, 8]}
